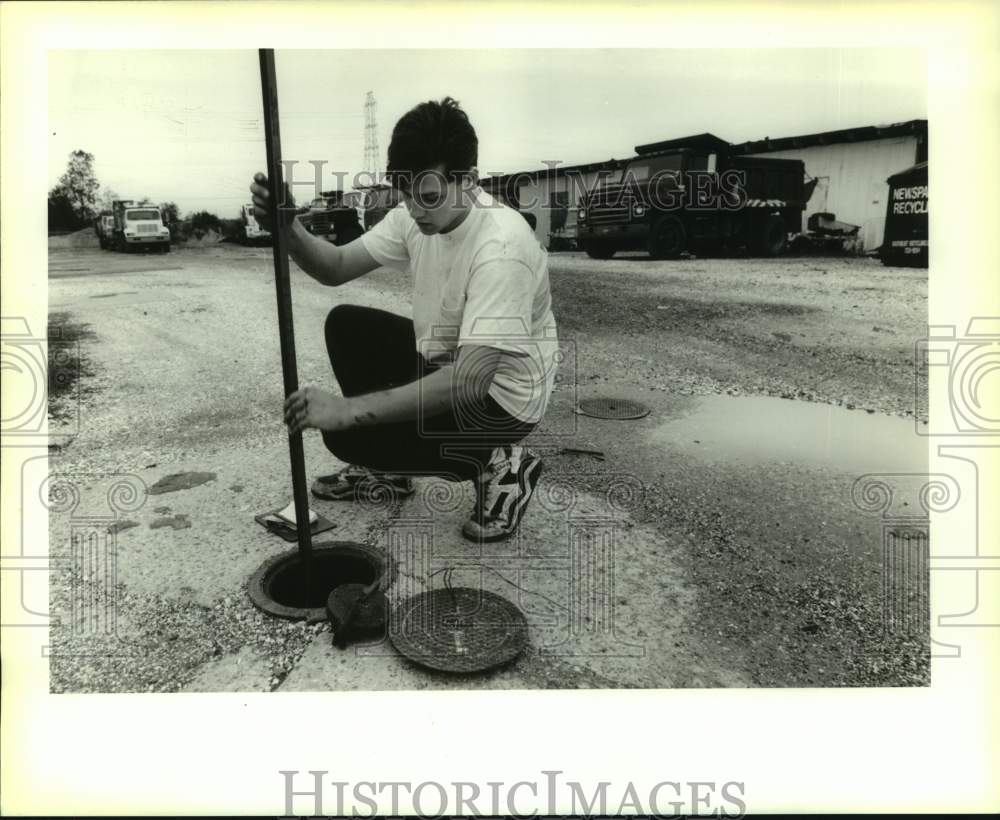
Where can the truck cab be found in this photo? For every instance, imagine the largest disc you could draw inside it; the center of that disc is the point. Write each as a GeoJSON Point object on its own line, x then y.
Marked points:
{"type": "Point", "coordinates": [253, 233]}
{"type": "Point", "coordinates": [139, 227]}
{"type": "Point", "coordinates": [329, 217]}
{"type": "Point", "coordinates": [701, 197]}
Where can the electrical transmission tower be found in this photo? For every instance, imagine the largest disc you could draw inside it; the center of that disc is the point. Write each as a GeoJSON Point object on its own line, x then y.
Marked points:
{"type": "Point", "coordinates": [372, 159]}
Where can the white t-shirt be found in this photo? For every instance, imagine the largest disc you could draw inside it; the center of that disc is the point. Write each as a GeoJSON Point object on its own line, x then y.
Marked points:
{"type": "Point", "coordinates": [484, 283]}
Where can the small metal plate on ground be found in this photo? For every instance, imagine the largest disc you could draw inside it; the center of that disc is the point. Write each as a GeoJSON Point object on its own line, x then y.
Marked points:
{"type": "Point", "coordinates": [611, 408]}
{"type": "Point", "coordinates": [459, 630]}
{"type": "Point", "coordinates": [275, 525]}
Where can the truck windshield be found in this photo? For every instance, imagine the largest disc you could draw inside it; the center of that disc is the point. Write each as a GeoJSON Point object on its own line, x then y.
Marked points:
{"type": "Point", "coordinates": [145, 214]}
{"type": "Point", "coordinates": [641, 170]}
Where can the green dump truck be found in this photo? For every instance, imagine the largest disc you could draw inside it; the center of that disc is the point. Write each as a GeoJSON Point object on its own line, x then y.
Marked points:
{"type": "Point", "coordinates": [694, 194]}
{"type": "Point", "coordinates": [330, 218]}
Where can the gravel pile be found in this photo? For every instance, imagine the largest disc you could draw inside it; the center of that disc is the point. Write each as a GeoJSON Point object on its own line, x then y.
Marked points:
{"type": "Point", "coordinates": [83, 238]}
{"type": "Point", "coordinates": [209, 237]}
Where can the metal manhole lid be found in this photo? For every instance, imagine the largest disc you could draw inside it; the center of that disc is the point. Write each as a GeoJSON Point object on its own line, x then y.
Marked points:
{"type": "Point", "coordinates": [458, 630]}
{"type": "Point", "coordinates": [611, 408]}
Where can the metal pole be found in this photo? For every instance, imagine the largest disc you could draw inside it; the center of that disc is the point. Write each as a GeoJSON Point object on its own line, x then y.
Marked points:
{"type": "Point", "coordinates": [286, 328]}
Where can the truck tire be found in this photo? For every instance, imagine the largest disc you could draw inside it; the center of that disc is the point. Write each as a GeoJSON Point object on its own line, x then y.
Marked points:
{"type": "Point", "coordinates": [599, 250]}
{"type": "Point", "coordinates": [773, 236]}
{"type": "Point", "coordinates": [667, 238]}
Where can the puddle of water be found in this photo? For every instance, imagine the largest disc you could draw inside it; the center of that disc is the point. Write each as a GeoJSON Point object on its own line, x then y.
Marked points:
{"type": "Point", "coordinates": [762, 429]}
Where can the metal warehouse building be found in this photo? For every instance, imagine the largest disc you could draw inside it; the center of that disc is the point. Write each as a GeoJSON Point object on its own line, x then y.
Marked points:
{"type": "Point", "coordinates": [551, 195]}
{"type": "Point", "coordinates": [851, 166]}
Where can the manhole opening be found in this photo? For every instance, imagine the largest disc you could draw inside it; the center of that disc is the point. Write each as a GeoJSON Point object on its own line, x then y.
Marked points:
{"type": "Point", "coordinates": [288, 585]}
{"type": "Point", "coordinates": [280, 586]}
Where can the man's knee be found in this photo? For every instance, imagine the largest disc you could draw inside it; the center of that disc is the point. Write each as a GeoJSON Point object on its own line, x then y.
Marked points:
{"type": "Point", "coordinates": [344, 446]}
{"type": "Point", "coordinates": [340, 321]}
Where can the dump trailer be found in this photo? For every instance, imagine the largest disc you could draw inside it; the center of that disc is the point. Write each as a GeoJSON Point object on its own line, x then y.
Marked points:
{"type": "Point", "coordinates": [138, 227]}
{"type": "Point", "coordinates": [331, 219]}
{"type": "Point", "coordinates": [253, 233]}
{"type": "Point", "coordinates": [104, 225]}
{"type": "Point", "coordinates": [699, 198]}
{"type": "Point", "coordinates": [904, 243]}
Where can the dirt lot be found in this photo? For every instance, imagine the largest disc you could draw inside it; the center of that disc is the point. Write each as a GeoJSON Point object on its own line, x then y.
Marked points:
{"type": "Point", "coordinates": [735, 555]}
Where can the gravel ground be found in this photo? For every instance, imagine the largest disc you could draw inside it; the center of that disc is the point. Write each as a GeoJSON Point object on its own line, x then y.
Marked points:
{"type": "Point", "coordinates": [836, 330]}
{"type": "Point", "coordinates": [839, 330]}
{"type": "Point", "coordinates": [180, 372]}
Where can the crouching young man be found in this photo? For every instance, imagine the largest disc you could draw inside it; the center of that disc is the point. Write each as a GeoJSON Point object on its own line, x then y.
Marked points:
{"type": "Point", "coordinates": [454, 391]}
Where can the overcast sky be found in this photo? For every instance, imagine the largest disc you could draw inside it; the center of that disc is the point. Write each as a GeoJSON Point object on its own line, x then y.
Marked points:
{"type": "Point", "coordinates": [186, 126]}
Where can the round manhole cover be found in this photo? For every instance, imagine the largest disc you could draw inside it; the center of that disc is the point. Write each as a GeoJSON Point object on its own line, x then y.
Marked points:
{"type": "Point", "coordinates": [459, 630]}
{"type": "Point", "coordinates": [610, 408]}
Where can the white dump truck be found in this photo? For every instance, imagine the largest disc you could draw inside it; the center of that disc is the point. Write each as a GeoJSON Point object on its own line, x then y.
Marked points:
{"type": "Point", "coordinates": [138, 227]}
{"type": "Point", "coordinates": [104, 226]}
{"type": "Point", "coordinates": [253, 233]}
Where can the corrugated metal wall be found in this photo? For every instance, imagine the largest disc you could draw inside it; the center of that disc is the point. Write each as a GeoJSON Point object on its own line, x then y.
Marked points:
{"type": "Point", "coordinates": [531, 196]}
{"type": "Point", "coordinates": [535, 197]}
{"type": "Point", "coordinates": [852, 180]}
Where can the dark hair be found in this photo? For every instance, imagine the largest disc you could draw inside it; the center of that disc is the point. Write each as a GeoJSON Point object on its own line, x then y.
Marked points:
{"type": "Point", "coordinates": [432, 133]}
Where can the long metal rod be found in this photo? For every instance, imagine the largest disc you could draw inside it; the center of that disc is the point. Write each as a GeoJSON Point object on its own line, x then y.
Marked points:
{"type": "Point", "coordinates": [286, 328]}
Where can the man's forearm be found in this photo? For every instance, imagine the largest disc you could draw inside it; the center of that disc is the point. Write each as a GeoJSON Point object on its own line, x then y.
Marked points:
{"type": "Point", "coordinates": [430, 396]}
{"type": "Point", "coordinates": [318, 258]}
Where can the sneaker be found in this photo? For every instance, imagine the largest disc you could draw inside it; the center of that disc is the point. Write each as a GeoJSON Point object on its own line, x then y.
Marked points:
{"type": "Point", "coordinates": [346, 484]}
{"type": "Point", "coordinates": [503, 493]}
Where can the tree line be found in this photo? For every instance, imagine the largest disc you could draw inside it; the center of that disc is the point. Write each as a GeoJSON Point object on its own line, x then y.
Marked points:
{"type": "Point", "coordinates": [78, 198]}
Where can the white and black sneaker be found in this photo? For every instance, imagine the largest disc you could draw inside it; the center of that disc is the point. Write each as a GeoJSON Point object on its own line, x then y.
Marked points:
{"type": "Point", "coordinates": [354, 483]}
{"type": "Point", "coordinates": [502, 493]}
